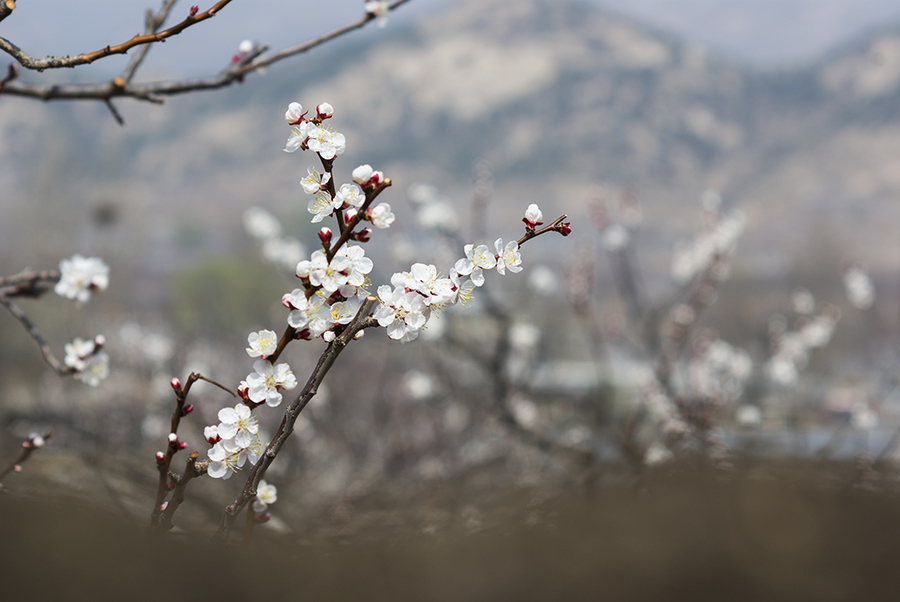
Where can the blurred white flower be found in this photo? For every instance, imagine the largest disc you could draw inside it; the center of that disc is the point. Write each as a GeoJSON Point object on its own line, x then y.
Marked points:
{"type": "Point", "coordinates": [859, 288]}
{"type": "Point", "coordinates": [80, 276]}
{"type": "Point", "coordinates": [260, 224]}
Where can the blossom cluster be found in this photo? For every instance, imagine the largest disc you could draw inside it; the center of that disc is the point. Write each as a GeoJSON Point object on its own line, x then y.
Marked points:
{"type": "Point", "coordinates": [718, 371]}
{"type": "Point", "coordinates": [859, 288]}
{"type": "Point", "coordinates": [791, 348]}
{"type": "Point", "coordinates": [334, 280]}
{"type": "Point", "coordinates": [79, 278]}
{"type": "Point", "coordinates": [85, 358]}
{"type": "Point", "coordinates": [709, 251]}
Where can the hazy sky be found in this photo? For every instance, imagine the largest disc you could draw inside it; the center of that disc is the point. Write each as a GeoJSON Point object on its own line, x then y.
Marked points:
{"type": "Point", "coordinates": [760, 32]}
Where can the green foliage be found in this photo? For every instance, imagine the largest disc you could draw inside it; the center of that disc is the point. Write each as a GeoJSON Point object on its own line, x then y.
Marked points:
{"type": "Point", "coordinates": [224, 295]}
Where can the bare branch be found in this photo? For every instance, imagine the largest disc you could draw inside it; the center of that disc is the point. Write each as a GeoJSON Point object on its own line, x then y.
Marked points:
{"type": "Point", "coordinates": [44, 346]}
{"type": "Point", "coordinates": [152, 25]}
{"type": "Point", "coordinates": [52, 62]}
{"type": "Point", "coordinates": [151, 92]}
{"type": "Point", "coordinates": [192, 470]}
{"type": "Point", "coordinates": [30, 444]}
{"type": "Point", "coordinates": [6, 8]}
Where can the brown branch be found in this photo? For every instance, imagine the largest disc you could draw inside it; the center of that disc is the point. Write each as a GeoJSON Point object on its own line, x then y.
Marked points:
{"type": "Point", "coordinates": [44, 346]}
{"type": "Point", "coordinates": [151, 92]}
{"type": "Point", "coordinates": [6, 8]}
{"type": "Point", "coordinates": [152, 25]}
{"type": "Point", "coordinates": [361, 321]}
{"type": "Point", "coordinates": [164, 460]}
{"type": "Point", "coordinates": [52, 62]}
{"type": "Point", "coordinates": [192, 470]}
{"type": "Point", "coordinates": [559, 225]}
{"type": "Point", "coordinates": [30, 444]}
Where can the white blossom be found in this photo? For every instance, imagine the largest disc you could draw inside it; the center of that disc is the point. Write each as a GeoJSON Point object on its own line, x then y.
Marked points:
{"type": "Point", "coordinates": [262, 343]}
{"type": "Point", "coordinates": [508, 257]}
{"type": "Point", "coordinates": [381, 215]}
{"type": "Point", "coordinates": [402, 313]}
{"type": "Point", "coordinates": [859, 288]}
{"type": "Point", "coordinates": [294, 112]}
{"type": "Point", "coordinates": [94, 369]}
{"type": "Point", "coordinates": [326, 142]}
{"type": "Point", "coordinates": [237, 426]}
{"type": "Point", "coordinates": [80, 276]}
{"type": "Point", "coordinates": [260, 224]}
{"type": "Point", "coordinates": [266, 493]}
{"type": "Point", "coordinates": [265, 384]}
{"type": "Point", "coordinates": [314, 181]}
{"type": "Point", "coordinates": [349, 195]}
{"type": "Point", "coordinates": [476, 260]}
{"type": "Point", "coordinates": [533, 215]}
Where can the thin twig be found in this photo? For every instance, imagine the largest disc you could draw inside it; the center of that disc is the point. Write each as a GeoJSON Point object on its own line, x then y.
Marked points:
{"type": "Point", "coordinates": [30, 444]}
{"type": "Point", "coordinates": [152, 92]}
{"type": "Point", "coordinates": [44, 346]}
{"type": "Point", "coordinates": [152, 25]}
{"type": "Point", "coordinates": [54, 62]}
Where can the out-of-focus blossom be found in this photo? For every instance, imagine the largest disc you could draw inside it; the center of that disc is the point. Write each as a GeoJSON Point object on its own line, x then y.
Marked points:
{"type": "Point", "coordinates": [80, 276]}
{"type": "Point", "coordinates": [859, 288]}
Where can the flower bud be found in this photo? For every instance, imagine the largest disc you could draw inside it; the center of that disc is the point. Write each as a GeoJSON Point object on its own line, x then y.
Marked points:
{"type": "Point", "coordinates": [160, 457]}
{"type": "Point", "coordinates": [324, 111]}
{"type": "Point", "coordinates": [533, 216]}
{"type": "Point", "coordinates": [99, 342]}
{"type": "Point", "coordinates": [211, 433]}
{"type": "Point", "coordinates": [286, 300]}
{"type": "Point", "coordinates": [363, 235]}
{"type": "Point", "coordinates": [328, 336]}
{"type": "Point", "coordinates": [183, 445]}
{"type": "Point", "coordinates": [176, 385]}
{"type": "Point", "coordinates": [362, 174]}
{"type": "Point", "coordinates": [17, 468]}
{"type": "Point", "coordinates": [173, 438]}
{"type": "Point", "coordinates": [565, 229]}
{"type": "Point", "coordinates": [187, 409]}
{"type": "Point", "coordinates": [303, 269]}
{"type": "Point", "coordinates": [359, 335]}
{"type": "Point", "coordinates": [325, 237]}
{"type": "Point", "coordinates": [35, 440]}
{"type": "Point", "coordinates": [194, 10]}
{"type": "Point", "coordinates": [244, 391]}
{"type": "Point", "coordinates": [246, 46]}
{"type": "Point", "coordinates": [294, 113]}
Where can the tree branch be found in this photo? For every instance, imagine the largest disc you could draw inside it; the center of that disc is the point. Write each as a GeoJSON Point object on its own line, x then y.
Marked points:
{"type": "Point", "coordinates": [53, 62]}
{"type": "Point", "coordinates": [361, 321]}
{"type": "Point", "coordinates": [6, 8]}
{"type": "Point", "coordinates": [152, 92]}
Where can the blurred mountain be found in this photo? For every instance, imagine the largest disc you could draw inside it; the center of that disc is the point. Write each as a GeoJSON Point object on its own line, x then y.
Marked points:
{"type": "Point", "coordinates": [556, 95]}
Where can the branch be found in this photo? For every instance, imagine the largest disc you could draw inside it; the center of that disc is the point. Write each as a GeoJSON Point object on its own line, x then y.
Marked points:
{"type": "Point", "coordinates": [326, 361]}
{"type": "Point", "coordinates": [30, 444]}
{"type": "Point", "coordinates": [152, 25]}
{"type": "Point", "coordinates": [192, 470]}
{"type": "Point", "coordinates": [44, 346]}
{"type": "Point", "coordinates": [52, 62]}
{"type": "Point", "coordinates": [152, 92]}
{"type": "Point", "coordinates": [164, 460]}
{"type": "Point", "coordinates": [6, 8]}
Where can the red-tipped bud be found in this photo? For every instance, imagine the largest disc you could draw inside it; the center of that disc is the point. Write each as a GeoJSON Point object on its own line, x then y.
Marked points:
{"type": "Point", "coordinates": [176, 385]}
{"type": "Point", "coordinates": [244, 391]}
{"type": "Point", "coordinates": [99, 342]}
{"type": "Point", "coordinates": [325, 237]}
{"type": "Point", "coordinates": [183, 445]}
{"type": "Point", "coordinates": [171, 485]}
{"type": "Point", "coordinates": [363, 235]}
{"type": "Point", "coordinates": [565, 229]}
{"type": "Point", "coordinates": [17, 468]}
{"type": "Point", "coordinates": [160, 457]}
{"type": "Point", "coordinates": [303, 335]}
{"type": "Point", "coordinates": [187, 409]}
{"type": "Point", "coordinates": [324, 111]}
{"type": "Point", "coordinates": [194, 10]}
{"type": "Point", "coordinates": [173, 439]}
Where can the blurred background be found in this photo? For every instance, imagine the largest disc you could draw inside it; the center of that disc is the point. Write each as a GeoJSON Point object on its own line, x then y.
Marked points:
{"type": "Point", "coordinates": [731, 285]}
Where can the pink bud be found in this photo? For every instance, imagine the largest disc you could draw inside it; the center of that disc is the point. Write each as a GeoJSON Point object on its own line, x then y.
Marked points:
{"type": "Point", "coordinates": [187, 409]}
{"type": "Point", "coordinates": [244, 391]}
{"type": "Point", "coordinates": [173, 438]}
{"type": "Point", "coordinates": [17, 468]}
{"type": "Point", "coordinates": [363, 235]}
{"type": "Point", "coordinates": [325, 237]}
{"type": "Point", "coordinates": [294, 113]}
{"type": "Point", "coordinates": [183, 445]}
{"type": "Point", "coordinates": [99, 342]}
{"type": "Point", "coordinates": [565, 229]}
{"type": "Point", "coordinates": [286, 300]}
{"type": "Point", "coordinates": [160, 457]}
{"type": "Point", "coordinates": [176, 385]}
{"type": "Point", "coordinates": [194, 10]}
